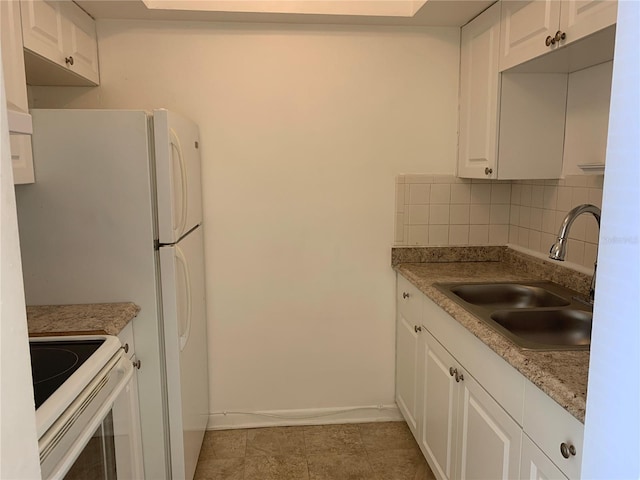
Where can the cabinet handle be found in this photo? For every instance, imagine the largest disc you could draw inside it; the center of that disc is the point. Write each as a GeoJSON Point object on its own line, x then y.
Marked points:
{"type": "Point", "coordinates": [405, 295]}
{"type": "Point", "coordinates": [454, 373]}
{"type": "Point", "coordinates": [488, 171]}
{"type": "Point", "coordinates": [68, 60]}
{"type": "Point", "coordinates": [417, 329]}
{"type": "Point", "coordinates": [137, 364]}
{"type": "Point", "coordinates": [567, 450]}
{"type": "Point", "coordinates": [549, 41]}
{"type": "Point", "coordinates": [560, 35]}
{"type": "Point", "coordinates": [125, 347]}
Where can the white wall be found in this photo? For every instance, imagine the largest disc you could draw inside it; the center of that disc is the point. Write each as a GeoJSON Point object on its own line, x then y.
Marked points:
{"type": "Point", "coordinates": [303, 130]}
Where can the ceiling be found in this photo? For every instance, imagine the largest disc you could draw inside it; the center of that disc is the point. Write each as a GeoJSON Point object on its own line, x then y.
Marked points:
{"type": "Point", "coordinates": [439, 13]}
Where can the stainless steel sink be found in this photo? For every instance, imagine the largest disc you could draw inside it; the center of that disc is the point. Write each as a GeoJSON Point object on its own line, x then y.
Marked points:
{"type": "Point", "coordinates": [534, 315]}
{"type": "Point", "coordinates": [567, 327]}
{"type": "Point", "coordinates": [508, 295]}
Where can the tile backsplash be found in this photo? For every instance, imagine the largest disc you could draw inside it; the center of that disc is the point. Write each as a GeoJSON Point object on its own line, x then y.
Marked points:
{"type": "Point", "coordinates": [445, 210]}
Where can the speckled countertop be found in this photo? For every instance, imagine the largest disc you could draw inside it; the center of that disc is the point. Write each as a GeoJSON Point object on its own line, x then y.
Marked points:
{"type": "Point", "coordinates": [560, 374]}
{"type": "Point", "coordinates": [96, 318]}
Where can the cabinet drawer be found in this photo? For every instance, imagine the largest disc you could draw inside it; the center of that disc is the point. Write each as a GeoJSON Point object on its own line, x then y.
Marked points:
{"type": "Point", "coordinates": [126, 338]}
{"type": "Point", "coordinates": [558, 427]}
{"type": "Point", "coordinates": [408, 299]}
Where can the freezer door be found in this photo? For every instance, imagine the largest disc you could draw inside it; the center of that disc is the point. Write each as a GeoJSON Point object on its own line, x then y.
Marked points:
{"type": "Point", "coordinates": [185, 330]}
{"type": "Point", "coordinates": [179, 190]}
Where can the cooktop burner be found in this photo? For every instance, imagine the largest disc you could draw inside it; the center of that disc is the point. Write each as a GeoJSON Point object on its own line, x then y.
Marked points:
{"type": "Point", "coordinates": [53, 362]}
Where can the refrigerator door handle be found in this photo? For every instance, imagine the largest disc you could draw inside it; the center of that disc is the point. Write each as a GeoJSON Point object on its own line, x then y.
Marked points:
{"type": "Point", "coordinates": [184, 323]}
{"type": "Point", "coordinates": [179, 226]}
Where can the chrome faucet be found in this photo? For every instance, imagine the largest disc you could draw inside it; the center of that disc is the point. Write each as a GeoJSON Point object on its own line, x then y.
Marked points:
{"type": "Point", "coordinates": [559, 249]}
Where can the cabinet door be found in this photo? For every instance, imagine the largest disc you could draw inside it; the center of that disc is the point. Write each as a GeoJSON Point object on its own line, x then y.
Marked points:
{"type": "Point", "coordinates": [42, 29]}
{"type": "Point", "coordinates": [488, 439]}
{"type": "Point", "coordinates": [12, 57]}
{"type": "Point", "coordinates": [525, 26]}
{"type": "Point", "coordinates": [579, 18]}
{"type": "Point", "coordinates": [479, 93]}
{"type": "Point", "coordinates": [535, 465]}
{"type": "Point", "coordinates": [440, 404]}
{"type": "Point", "coordinates": [80, 41]}
{"type": "Point", "coordinates": [126, 430]}
{"type": "Point", "coordinates": [407, 369]}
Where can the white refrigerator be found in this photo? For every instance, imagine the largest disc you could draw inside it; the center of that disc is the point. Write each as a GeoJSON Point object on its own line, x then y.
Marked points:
{"type": "Point", "coordinates": [115, 215]}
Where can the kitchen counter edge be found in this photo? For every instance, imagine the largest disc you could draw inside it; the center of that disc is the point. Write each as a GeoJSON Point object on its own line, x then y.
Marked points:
{"type": "Point", "coordinates": [81, 319]}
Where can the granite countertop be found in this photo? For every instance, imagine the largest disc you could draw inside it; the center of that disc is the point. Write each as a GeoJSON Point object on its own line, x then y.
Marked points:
{"type": "Point", "coordinates": [87, 319]}
{"type": "Point", "coordinates": [560, 374]}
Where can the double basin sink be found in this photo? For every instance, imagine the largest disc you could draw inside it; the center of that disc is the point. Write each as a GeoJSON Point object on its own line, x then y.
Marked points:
{"type": "Point", "coordinates": [534, 315]}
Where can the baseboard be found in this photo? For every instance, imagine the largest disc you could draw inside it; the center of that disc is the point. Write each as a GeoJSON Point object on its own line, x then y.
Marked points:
{"type": "Point", "coordinates": [309, 416]}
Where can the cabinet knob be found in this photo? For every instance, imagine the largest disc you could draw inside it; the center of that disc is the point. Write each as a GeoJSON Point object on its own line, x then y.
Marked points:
{"type": "Point", "coordinates": [560, 35]}
{"type": "Point", "coordinates": [454, 373]}
{"type": "Point", "coordinates": [137, 364]}
{"type": "Point", "coordinates": [405, 295]}
{"type": "Point", "coordinates": [488, 171]}
{"type": "Point", "coordinates": [567, 450]}
{"type": "Point", "coordinates": [125, 347]}
{"type": "Point", "coordinates": [417, 329]}
{"type": "Point", "coordinates": [549, 41]}
{"type": "Point", "coordinates": [68, 60]}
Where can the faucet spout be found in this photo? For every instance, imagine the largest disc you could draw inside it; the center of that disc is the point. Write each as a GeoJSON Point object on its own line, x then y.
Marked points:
{"type": "Point", "coordinates": [559, 249]}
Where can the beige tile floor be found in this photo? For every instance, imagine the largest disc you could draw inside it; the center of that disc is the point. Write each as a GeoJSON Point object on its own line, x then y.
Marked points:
{"type": "Point", "coordinates": [365, 451]}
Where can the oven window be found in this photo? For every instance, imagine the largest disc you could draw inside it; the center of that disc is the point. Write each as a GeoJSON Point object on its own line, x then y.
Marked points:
{"type": "Point", "coordinates": [98, 459]}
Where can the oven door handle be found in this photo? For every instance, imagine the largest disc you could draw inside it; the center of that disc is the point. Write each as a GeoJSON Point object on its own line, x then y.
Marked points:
{"type": "Point", "coordinates": [120, 366]}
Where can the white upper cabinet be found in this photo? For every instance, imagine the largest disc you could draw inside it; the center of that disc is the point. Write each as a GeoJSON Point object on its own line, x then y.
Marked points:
{"type": "Point", "coordinates": [12, 57]}
{"type": "Point", "coordinates": [503, 117]}
{"type": "Point", "coordinates": [525, 27]}
{"type": "Point", "coordinates": [16, 92]}
{"type": "Point", "coordinates": [532, 28]}
{"type": "Point", "coordinates": [60, 44]}
{"type": "Point", "coordinates": [579, 18]}
{"type": "Point", "coordinates": [479, 95]}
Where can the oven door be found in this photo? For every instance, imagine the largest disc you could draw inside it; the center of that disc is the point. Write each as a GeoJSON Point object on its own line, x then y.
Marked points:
{"type": "Point", "coordinates": [85, 427]}
{"type": "Point", "coordinates": [97, 459]}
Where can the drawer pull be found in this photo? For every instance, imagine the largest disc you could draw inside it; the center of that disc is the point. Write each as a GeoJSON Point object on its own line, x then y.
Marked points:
{"type": "Point", "coordinates": [405, 295]}
{"type": "Point", "coordinates": [567, 450]}
{"type": "Point", "coordinates": [125, 347]}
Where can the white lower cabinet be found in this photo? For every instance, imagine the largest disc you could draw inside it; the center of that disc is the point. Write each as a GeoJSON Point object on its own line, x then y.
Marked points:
{"type": "Point", "coordinates": [464, 432]}
{"type": "Point", "coordinates": [439, 407]}
{"type": "Point", "coordinates": [472, 414]}
{"type": "Point", "coordinates": [126, 419]}
{"type": "Point", "coordinates": [488, 439]}
{"type": "Point", "coordinates": [535, 465]}
{"type": "Point", "coordinates": [408, 326]}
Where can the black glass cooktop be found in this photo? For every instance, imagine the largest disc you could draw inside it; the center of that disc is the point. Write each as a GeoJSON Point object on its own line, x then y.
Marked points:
{"type": "Point", "coordinates": [53, 362]}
